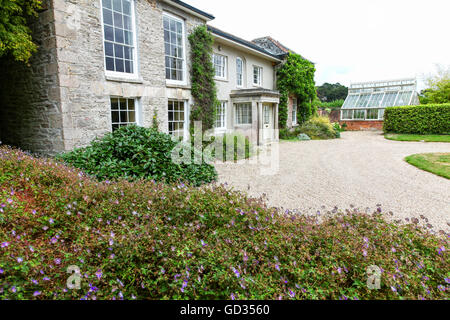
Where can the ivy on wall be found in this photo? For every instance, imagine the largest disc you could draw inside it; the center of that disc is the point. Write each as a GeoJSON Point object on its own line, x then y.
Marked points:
{"type": "Point", "coordinates": [203, 85]}
{"type": "Point", "coordinates": [296, 76]}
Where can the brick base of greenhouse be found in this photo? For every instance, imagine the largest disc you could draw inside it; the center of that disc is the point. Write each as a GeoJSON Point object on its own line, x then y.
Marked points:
{"type": "Point", "coordinates": [363, 125]}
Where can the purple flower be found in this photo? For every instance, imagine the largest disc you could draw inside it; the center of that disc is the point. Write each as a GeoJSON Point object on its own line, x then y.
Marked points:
{"type": "Point", "coordinates": [291, 293]}
{"type": "Point", "coordinates": [365, 253]}
{"type": "Point", "coordinates": [36, 293]}
{"type": "Point", "coordinates": [163, 271]}
{"type": "Point", "coordinates": [57, 261]}
{"type": "Point", "coordinates": [441, 288]}
{"type": "Point", "coordinates": [277, 267]}
{"type": "Point", "coordinates": [13, 289]}
{"type": "Point", "coordinates": [51, 220]}
{"type": "Point", "coordinates": [447, 280]}
{"type": "Point", "coordinates": [441, 250]}
{"type": "Point", "coordinates": [184, 285]}
{"type": "Point", "coordinates": [1, 271]}
{"type": "Point", "coordinates": [19, 260]}
{"type": "Point", "coordinates": [233, 297]}
{"type": "Point", "coordinates": [10, 200]}
{"type": "Point", "coordinates": [203, 243]}
{"type": "Point", "coordinates": [236, 272]}
{"type": "Point", "coordinates": [394, 289]}
{"type": "Point", "coordinates": [5, 244]}
{"type": "Point", "coordinates": [99, 274]}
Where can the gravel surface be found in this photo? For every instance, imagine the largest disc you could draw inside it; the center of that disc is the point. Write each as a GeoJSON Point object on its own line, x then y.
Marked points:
{"type": "Point", "coordinates": [361, 170]}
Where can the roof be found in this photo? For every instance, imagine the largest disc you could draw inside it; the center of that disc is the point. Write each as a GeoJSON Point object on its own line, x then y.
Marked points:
{"type": "Point", "coordinates": [242, 42]}
{"type": "Point", "coordinates": [190, 8]}
{"type": "Point", "coordinates": [274, 46]}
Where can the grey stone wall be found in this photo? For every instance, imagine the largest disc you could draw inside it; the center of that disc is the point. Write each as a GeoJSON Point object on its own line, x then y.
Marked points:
{"type": "Point", "coordinates": [63, 100]}
{"type": "Point", "coordinates": [85, 89]}
{"type": "Point", "coordinates": [30, 112]}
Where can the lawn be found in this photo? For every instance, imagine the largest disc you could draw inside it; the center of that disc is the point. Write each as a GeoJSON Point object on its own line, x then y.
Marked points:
{"type": "Point", "coordinates": [418, 137]}
{"type": "Point", "coordinates": [437, 163]}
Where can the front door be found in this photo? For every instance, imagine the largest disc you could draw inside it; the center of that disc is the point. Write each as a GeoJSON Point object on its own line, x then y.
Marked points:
{"type": "Point", "coordinates": [268, 124]}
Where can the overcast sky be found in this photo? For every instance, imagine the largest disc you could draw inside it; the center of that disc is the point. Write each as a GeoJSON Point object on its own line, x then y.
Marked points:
{"type": "Point", "coordinates": [349, 40]}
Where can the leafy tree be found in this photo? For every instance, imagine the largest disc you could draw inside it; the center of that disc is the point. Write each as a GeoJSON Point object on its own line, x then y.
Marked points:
{"type": "Point", "coordinates": [439, 88]}
{"type": "Point", "coordinates": [331, 92]}
{"type": "Point", "coordinates": [202, 77]}
{"type": "Point", "coordinates": [296, 76]}
{"type": "Point", "coordinates": [15, 35]}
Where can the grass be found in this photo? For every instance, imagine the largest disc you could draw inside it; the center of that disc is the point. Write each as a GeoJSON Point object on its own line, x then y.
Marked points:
{"type": "Point", "coordinates": [437, 163]}
{"type": "Point", "coordinates": [418, 137]}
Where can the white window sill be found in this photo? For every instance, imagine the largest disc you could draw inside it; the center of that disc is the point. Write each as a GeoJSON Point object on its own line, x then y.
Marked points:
{"type": "Point", "coordinates": [221, 79]}
{"type": "Point", "coordinates": [118, 78]}
{"type": "Point", "coordinates": [176, 83]}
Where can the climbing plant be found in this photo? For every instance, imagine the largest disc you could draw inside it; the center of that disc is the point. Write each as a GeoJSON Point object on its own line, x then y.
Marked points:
{"type": "Point", "coordinates": [203, 85]}
{"type": "Point", "coordinates": [296, 76]}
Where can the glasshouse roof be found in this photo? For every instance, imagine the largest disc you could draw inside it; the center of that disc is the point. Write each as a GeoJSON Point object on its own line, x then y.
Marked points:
{"type": "Point", "coordinates": [382, 94]}
{"type": "Point", "coordinates": [367, 100]}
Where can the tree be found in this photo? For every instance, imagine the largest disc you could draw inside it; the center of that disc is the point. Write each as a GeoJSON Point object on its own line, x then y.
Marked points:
{"type": "Point", "coordinates": [439, 87]}
{"type": "Point", "coordinates": [296, 76]}
{"type": "Point", "coordinates": [331, 92]}
{"type": "Point", "coordinates": [15, 35]}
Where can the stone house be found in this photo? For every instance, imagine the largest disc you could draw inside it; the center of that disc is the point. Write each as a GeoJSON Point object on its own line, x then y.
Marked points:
{"type": "Point", "coordinates": [279, 50]}
{"type": "Point", "coordinates": [103, 64]}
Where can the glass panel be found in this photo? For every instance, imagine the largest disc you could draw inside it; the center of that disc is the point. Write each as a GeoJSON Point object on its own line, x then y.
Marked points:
{"type": "Point", "coordinates": [114, 23]}
{"type": "Point", "coordinates": [359, 114]}
{"type": "Point", "coordinates": [372, 114]}
{"type": "Point", "coordinates": [403, 98]}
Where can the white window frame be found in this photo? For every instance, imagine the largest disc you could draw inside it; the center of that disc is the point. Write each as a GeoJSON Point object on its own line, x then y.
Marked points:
{"type": "Point", "coordinates": [185, 75]}
{"type": "Point", "coordinates": [294, 111]}
{"type": "Point", "coordinates": [186, 117]}
{"type": "Point", "coordinates": [223, 106]}
{"type": "Point", "coordinates": [237, 120]}
{"type": "Point", "coordinates": [116, 74]}
{"type": "Point", "coordinates": [241, 74]}
{"type": "Point", "coordinates": [260, 77]}
{"type": "Point", "coordinates": [137, 111]}
{"type": "Point", "coordinates": [224, 59]}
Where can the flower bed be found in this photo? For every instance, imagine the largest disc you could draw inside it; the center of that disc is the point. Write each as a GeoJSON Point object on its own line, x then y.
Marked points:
{"type": "Point", "coordinates": [147, 240]}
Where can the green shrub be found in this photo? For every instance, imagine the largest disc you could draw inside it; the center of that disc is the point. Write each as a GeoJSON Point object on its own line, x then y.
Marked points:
{"type": "Point", "coordinates": [424, 119]}
{"type": "Point", "coordinates": [242, 147]}
{"type": "Point", "coordinates": [135, 153]}
{"type": "Point", "coordinates": [337, 104]}
{"type": "Point", "coordinates": [319, 128]}
{"type": "Point", "coordinates": [146, 240]}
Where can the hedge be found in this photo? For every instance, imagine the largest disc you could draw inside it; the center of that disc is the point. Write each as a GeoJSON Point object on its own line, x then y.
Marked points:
{"type": "Point", "coordinates": [423, 119]}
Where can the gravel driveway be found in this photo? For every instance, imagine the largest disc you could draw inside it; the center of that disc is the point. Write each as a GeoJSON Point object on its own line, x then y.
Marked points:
{"type": "Point", "coordinates": [362, 169]}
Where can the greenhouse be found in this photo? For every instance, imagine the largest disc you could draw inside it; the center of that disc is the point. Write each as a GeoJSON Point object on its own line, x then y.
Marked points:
{"type": "Point", "coordinates": [368, 100]}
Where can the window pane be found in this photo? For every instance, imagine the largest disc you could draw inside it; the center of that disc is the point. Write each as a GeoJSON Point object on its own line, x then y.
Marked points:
{"type": "Point", "coordinates": [118, 51]}
{"type": "Point", "coordinates": [174, 48]}
{"type": "Point", "coordinates": [115, 36]}
{"type": "Point", "coordinates": [119, 65]}
{"type": "Point", "coordinates": [109, 33]}
{"type": "Point", "coordinates": [110, 64]}
{"type": "Point", "coordinates": [127, 7]}
{"type": "Point", "coordinates": [107, 4]}
{"type": "Point", "coordinates": [107, 17]}
{"type": "Point", "coordinates": [117, 5]}
{"type": "Point", "coordinates": [109, 49]}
